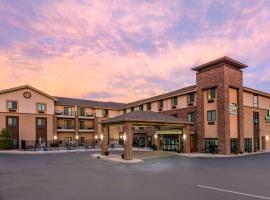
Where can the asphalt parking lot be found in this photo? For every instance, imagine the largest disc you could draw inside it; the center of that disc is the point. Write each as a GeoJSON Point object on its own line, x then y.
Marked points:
{"type": "Point", "coordinates": [77, 176]}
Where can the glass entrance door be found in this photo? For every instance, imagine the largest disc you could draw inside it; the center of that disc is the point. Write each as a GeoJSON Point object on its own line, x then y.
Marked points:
{"type": "Point", "coordinates": [170, 143]}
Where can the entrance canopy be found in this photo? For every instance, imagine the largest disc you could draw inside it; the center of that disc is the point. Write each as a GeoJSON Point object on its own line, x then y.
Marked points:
{"type": "Point", "coordinates": [139, 117]}
{"type": "Point", "coordinates": [142, 118]}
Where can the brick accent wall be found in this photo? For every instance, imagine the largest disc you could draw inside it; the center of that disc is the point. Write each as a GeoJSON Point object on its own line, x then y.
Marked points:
{"type": "Point", "coordinates": [222, 77]}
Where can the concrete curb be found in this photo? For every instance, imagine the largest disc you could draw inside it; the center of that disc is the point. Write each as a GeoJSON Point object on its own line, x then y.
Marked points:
{"type": "Point", "coordinates": [116, 158]}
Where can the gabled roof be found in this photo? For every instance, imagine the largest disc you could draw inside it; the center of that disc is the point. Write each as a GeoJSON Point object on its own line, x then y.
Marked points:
{"type": "Point", "coordinates": [145, 116]}
{"type": "Point", "coordinates": [184, 90]}
{"type": "Point", "coordinates": [87, 103]}
{"type": "Point", "coordinates": [26, 87]}
{"type": "Point", "coordinates": [225, 60]}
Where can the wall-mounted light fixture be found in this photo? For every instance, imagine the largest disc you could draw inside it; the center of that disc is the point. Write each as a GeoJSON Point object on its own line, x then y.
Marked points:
{"type": "Point", "coordinates": [101, 136]}
{"type": "Point", "coordinates": [76, 137]}
{"type": "Point", "coordinates": [124, 137]}
{"type": "Point", "coordinates": [55, 137]}
{"type": "Point", "coordinates": [184, 136]}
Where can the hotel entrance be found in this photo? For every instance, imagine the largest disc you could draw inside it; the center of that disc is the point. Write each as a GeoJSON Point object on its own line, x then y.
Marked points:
{"type": "Point", "coordinates": [171, 140]}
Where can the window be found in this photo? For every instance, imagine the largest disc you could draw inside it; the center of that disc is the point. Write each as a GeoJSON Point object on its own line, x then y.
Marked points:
{"type": "Point", "coordinates": [68, 111]}
{"type": "Point", "coordinates": [82, 124]}
{"type": "Point", "coordinates": [41, 122]}
{"type": "Point", "coordinates": [140, 107]}
{"type": "Point", "coordinates": [174, 102]}
{"type": "Point", "coordinates": [105, 112]}
{"type": "Point", "coordinates": [211, 116]}
{"type": "Point", "coordinates": [191, 117]}
{"type": "Point", "coordinates": [211, 145]}
{"type": "Point", "coordinates": [41, 107]}
{"type": "Point", "coordinates": [256, 119]}
{"type": "Point", "coordinates": [234, 145]}
{"type": "Point", "coordinates": [125, 111]}
{"type": "Point", "coordinates": [148, 106]}
{"type": "Point", "coordinates": [68, 124]}
{"type": "Point", "coordinates": [190, 97]}
{"type": "Point", "coordinates": [248, 144]}
{"type": "Point", "coordinates": [160, 104]}
{"type": "Point", "coordinates": [12, 105]}
{"type": "Point", "coordinates": [12, 121]}
{"type": "Point", "coordinates": [81, 111]}
{"type": "Point", "coordinates": [255, 101]}
{"type": "Point", "coordinates": [211, 93]}
{"type": "Point", "coordinates": [132, 109]}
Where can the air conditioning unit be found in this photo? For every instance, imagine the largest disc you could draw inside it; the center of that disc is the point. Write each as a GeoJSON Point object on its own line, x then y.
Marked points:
{"type": "Point", "coordinates": [211, 100]}
{"type": "Point", "coordinates": [190, 104]}
{"type": "Point", "coordinates": [173, 107]}
{"type": "Point", "coordinates": [211, 123]}
{"type": "Point", "coordinates": [159, 109]}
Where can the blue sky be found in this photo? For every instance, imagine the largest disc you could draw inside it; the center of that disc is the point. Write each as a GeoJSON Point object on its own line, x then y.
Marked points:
{"type": "Point", "coordinates": [128, 50]}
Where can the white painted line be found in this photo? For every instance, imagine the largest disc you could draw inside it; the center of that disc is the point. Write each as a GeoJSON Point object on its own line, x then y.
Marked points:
{"type": "Point", "coordinates": [233, 192]}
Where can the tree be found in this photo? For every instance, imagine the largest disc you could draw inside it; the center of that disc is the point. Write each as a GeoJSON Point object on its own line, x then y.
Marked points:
{"type": "Point", "coordinates": [5, 139]}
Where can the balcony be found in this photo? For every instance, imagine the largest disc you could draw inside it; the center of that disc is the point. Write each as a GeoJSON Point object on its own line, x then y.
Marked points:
{"type": "Point", "coordinates": [65, 128]}
{"type": "Point", "coordinates": [86, 128]}
{"type": "Point", "coordinates": [63, 114]}
{"type": "Point", "coordinates": [85, 115]}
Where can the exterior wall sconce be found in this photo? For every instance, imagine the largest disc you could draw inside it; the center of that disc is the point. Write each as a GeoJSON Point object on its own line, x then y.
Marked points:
{"type": "Point", "coordinates": [184, 136]}
{"type": "Point", "coordinates": [76, 137]}
{"type": "Point", "coordinates": [96, 137]}
{"type": "Point", "coordinates": [55, 137]}
{"type": "Point", "coordinates": [267, 138]}
{"type": "Point", "coordinates": [124, 137]}
{"type": "Point", "coordinates": [101, 136]}
{"type": "Point", "coordinates": [155, 136]}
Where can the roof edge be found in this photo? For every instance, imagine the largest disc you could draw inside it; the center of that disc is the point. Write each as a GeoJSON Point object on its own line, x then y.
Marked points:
{"type": "Point", "coordinates": [224, 59]}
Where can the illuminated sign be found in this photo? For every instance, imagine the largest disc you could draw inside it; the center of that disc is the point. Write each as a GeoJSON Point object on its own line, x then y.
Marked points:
{"type": "Point", "coordinates": [267, 117]}
{"type": "Point", "coordinates": [233, 108]}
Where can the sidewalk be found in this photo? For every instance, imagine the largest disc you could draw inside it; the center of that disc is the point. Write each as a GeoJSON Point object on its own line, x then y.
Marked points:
{"type": "Point", "coordinates": [208, 155]}
{"type": "Point", "coordinates": [116, 158]}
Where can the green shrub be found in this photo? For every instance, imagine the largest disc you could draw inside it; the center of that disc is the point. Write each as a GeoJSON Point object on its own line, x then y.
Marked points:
{"type": "Point", "coordinates": [5, 139]}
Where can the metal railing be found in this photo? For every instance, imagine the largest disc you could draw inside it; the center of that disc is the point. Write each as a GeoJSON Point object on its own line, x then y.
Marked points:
{"type": "Point", "coordinates": [65, 113]}
{"type": "Point", "coordinates": [85, 114]}
{"type": "Point", "coordinates": [86, 127]}
{"type": "Point", "coordinates": [66, 127]}
{"type": "Point", "coordinates": [34, 145]}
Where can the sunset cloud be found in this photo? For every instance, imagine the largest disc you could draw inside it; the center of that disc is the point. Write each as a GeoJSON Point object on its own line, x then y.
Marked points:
{"type": "Point", "coordinates": [128, 50]}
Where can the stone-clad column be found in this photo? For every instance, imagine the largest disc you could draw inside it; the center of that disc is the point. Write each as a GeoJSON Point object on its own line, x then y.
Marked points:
{"type": "Point", "coordinates": [104, 141]}
{"type": "Point", "coordinates": [186, 139]}
{"type": "Point", "coordinates": [128, 154]}
{"type": "Point", "coordinates": [157, 141]}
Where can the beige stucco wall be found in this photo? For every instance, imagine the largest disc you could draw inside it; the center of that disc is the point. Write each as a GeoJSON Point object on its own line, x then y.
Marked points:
{"type": "Point", "coordinates": [26, 105]}
{"type": "Point", "coordinates": [233, 118]}
{"type": "Point", "coordinates": [264, 102]}
{"type": "Point", "coordinates": [210, 130]}
{"type": "Point", "coordinates": [27, 125]}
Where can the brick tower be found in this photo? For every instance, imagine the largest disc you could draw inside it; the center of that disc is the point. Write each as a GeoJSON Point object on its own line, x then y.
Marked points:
{"type": "Point", "coordinates": [220, 89]}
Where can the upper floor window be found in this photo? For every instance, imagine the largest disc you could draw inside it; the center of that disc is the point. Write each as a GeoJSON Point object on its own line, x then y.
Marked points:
{"type": "Point", "coordinates": [211, 116]}
{"type": "Point", "coordinates": [211, 93]}
{"type": "Point", "coordinates": [41, 107]}
{"type": "Point", "coordinates": [148, 106]}
{"type": "Point", "coordinates": [190, 97]}
{"type": "Point", "coordinates": [140, 107]}
{"type": "Point", "coordinates": [105, 112]}
{"type": "Point", "coordinates": [132, 109]}
{"type": "Point", "coordinates": [191, 117]}
{"type": "Point", "coordinates": [255, 101]}
{"type": "Point", "coordinates": [174, 102]}
{"type": "Point", "coordinates": [12, 105]}
{"type": "Point", "coordinates": [68, 111]}
{"type": "Point", "coordinates": [81, 111]}
{"type": "Point", "coordinates": [160, 103]}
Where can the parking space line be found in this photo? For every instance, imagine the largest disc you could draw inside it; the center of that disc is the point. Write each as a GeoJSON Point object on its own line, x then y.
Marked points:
{"type": "Point", "coordinates": [233, 192]}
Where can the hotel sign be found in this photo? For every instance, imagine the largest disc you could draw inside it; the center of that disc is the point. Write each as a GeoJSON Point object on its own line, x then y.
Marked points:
{"type": "Point", "coordinates": [233, 108]}
{"type": "Point", "coordinates": [267, 117]}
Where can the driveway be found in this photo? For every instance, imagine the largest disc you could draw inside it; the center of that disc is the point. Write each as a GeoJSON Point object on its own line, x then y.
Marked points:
{"type": "Point", "coordinates": [77, 176]}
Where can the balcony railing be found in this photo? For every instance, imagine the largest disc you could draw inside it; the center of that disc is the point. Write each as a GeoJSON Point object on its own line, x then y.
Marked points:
{"type": "Point", "coordinates": [65, 113]}
{"type": "Point", "coordinates": [85, 114]}
{"type": "Point", "coordinates": [65, 127]}
{"type": "Point", "coordinates": [86, 128]}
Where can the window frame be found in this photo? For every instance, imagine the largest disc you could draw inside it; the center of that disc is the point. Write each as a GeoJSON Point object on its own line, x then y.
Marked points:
{"type": "Point", "coordinates": [192, 114]}
{"type": "Point", "coordinates": [12, 103]}
{"type": "Point", "coordinates": [215, 116]}
{"type": "Point", "coordinates": [256, 103]}
{"type": "Point", "coordinates": [41, 124]}
{"type": "Point", "coordinates": [13, 119]}
{"type": "Point", "coordinates": [189, 99]}
{"type": "Point", "coordinates": [174, 101]}
{"type": "Point", "coordinates": [211, 93]}
{"type": "Point", "coordinates": [42, 104]}
{"type": "Point", "coordinates": [148, 106]}
{"type": "Point", "coordinates": [160, 103]}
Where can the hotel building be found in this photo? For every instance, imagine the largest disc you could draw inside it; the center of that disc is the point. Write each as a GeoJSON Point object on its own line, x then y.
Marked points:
{"type": "Point", "coordinates": [217, 115]}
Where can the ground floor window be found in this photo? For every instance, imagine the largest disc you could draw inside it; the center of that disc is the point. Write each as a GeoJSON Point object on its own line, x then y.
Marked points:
{"type": "Point", "coordinates": [256, 144]}
{"type": "Point", "coordinates": [248, 144]}
{"type": "Point", "coordinates": [171, 143]}
{"type": "Point", "coordinates": [211, 145]}
{"type": "Point", "coordinates": [234, 145]}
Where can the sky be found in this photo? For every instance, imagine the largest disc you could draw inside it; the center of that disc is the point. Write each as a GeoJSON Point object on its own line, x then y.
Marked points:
{"type": "Point", "coordinates": [128, 50]}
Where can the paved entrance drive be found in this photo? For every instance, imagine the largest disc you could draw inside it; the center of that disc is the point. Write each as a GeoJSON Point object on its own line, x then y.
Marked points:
{"type": "Point", "coordinates": [70, 176]}
{"type": "Point", "coordinates": [153, 154]}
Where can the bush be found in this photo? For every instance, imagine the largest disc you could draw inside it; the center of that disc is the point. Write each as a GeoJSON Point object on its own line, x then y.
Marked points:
{"type": "Point", "coordinates": [5, 139]}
